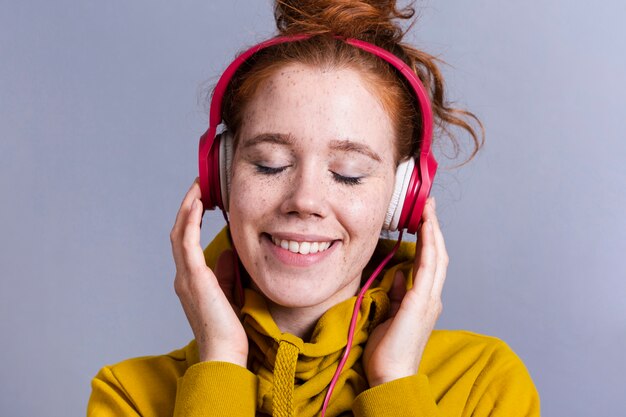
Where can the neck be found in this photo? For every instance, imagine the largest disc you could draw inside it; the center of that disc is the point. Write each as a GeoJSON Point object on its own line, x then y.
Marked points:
{"type": "Point", "coordinates": [301, 321]}
{"type": "Point", "coordinates": [297, 321]}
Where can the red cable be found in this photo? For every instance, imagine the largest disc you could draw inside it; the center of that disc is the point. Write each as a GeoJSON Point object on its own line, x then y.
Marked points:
{"type": "Point", "coordinates": [355, 315]}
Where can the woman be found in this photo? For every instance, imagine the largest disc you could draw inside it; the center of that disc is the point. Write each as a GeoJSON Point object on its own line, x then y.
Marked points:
{"type": "Point", "coordinates": [319, 130]}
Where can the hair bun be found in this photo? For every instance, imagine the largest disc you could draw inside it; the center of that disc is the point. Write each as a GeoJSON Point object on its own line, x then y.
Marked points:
{"type": "Point", "coordinates": [373, 21]}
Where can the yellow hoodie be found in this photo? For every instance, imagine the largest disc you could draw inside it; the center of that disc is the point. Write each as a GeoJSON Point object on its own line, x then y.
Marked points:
{"type": "Point", "coordinates": [461, 373]}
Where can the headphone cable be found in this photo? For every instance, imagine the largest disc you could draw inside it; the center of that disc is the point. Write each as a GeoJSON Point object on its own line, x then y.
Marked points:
{"type": "Point", "coordinates": [355, 315]}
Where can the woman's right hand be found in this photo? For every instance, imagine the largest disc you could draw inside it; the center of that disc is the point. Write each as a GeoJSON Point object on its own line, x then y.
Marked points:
{"type": "Point", "coordinates": [207, 299]}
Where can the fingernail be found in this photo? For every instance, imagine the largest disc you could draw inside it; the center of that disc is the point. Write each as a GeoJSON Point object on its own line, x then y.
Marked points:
{"type": "Point", "coordinates": [433, 202]}
{"type": "Point", "coordinates": [194, 204]}
{"type": "Point", "coordinates": [429, 225]}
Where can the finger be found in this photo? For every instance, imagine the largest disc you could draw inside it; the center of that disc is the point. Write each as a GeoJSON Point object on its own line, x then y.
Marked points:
{"type": "Point", "coordinates": [409, 320]}
{"type": "Point", "coordinates": [396, 293]}
{"type": "Point", "coordinates": [442, 253]}
{"type": "Point", "coordinates": [425, 264]}
{"type": "Point", "coordinates": [431, 213]}
{"type": "Point", "coordinates": [182, 218]}
{"type": "Point", "coordinates": [419, 241]}
{"type": "Point", "coordinates": [193, 192]}
{"type": "Point", "coordinates": [418, 247]}
{"type": "Point", "coordinates": [191, 251]}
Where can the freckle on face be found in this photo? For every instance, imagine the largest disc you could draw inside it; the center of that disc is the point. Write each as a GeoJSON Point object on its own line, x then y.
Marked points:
{"type": "Point", "coordinates": [315, 109]}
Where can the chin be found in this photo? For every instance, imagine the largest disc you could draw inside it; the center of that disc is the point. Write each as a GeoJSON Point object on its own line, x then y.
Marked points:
{"type": "Point", "coordinates": [299, 300]}
{"type": "Point", "coordinates": [300, 291]}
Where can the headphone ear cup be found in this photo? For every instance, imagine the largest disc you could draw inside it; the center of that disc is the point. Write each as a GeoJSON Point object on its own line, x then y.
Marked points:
{"type": "Point", "coordinates": [419, 189]}
{"type": "Point", "coordinates": [225, 164]}
{"type": "Point", "coordinates": [403, 177]}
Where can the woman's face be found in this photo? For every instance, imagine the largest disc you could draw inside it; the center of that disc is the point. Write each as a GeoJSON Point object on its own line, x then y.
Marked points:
{"type": "Point", "coordinates": [312, 177]}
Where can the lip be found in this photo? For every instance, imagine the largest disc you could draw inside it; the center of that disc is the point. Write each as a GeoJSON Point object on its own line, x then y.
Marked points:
{"type": "Point", "coordinates": [299, 237]}
{"type": "Point", "coordinates": [289, 258]}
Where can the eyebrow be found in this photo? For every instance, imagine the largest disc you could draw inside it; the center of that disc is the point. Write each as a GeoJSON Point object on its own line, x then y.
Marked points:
{"type": "Point", "coordinates": [276, 138]}
{"type": "Point", "coordinates": [351, 146]}
{"type": "Point", "coordinates": [344, 145]}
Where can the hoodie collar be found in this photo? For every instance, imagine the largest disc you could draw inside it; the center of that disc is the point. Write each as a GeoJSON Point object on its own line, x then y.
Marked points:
{"type": "Point", "coordinates": [294, 374]}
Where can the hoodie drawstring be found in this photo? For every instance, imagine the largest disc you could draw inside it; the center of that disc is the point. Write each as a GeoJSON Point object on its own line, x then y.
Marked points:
{"type": "Point", "coordinates": [284, 379]}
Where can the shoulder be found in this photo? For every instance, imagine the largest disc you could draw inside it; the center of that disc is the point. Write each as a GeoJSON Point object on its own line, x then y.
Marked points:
{"type": "Point", "coordinates": [170, 365]}
{"type": "Point", "coordinates": [466, 350]}
{"type": "Point", "coordinates": [146, 382]}
{"type": "Point", "coordinates": [460, 373]}
{"type": "Point", "coordinates": [453, 341]}
{"type": "Point", "coordinates": [481, 369]}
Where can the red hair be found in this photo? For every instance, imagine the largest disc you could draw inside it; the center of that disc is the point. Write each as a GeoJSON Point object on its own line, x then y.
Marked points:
{"type": "Point", "coordinates": [374, 22]}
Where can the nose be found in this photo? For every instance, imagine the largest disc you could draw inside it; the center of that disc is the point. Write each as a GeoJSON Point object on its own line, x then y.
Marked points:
{"type": "Point", "coordinates": [306, 195]}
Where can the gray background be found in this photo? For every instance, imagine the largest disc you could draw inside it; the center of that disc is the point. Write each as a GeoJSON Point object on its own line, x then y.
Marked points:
{"type": "Point", "coordinates": [100, 113]}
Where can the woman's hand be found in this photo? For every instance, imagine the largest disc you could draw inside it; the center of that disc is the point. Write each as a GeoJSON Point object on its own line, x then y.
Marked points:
{"type": "Point", "coordinates": [395, 347]}
{"type": "Point", "coordinates": [205, 297]}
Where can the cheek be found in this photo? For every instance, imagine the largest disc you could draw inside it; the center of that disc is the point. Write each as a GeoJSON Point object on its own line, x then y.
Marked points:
{"type": "Point", "coordinates": [365, 212]}
{"type": "Point", "coordinates": [248, 194]}
{"type": "Point", "coordinates": [242, 210]}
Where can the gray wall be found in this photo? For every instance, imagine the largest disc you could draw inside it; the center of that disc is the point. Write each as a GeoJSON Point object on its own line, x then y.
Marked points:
{"type": "Point", "coordinates": [99, 122]}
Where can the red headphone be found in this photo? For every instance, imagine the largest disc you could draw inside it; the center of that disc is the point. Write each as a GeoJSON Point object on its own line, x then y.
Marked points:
{"type": "Point", "coordinates": [414, 177]}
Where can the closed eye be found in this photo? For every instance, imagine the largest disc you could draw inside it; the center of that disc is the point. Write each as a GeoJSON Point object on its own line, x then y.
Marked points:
{"type": "Point", "coordinates": [342, 179]}
{"type": "Point", "coordinates": [347, 180]}
{"type": "Point", "coordinates": [262, 169]}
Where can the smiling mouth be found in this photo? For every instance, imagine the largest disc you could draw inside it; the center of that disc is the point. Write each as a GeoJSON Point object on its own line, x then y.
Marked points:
{"type": "Point", "coordinates": [303, 248]}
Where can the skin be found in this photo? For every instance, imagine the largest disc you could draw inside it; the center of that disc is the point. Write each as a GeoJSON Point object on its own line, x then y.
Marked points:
{"type": "Point", "coordinates": [306, 137]}
{"type": "Point", "coordinates": [316, 112]}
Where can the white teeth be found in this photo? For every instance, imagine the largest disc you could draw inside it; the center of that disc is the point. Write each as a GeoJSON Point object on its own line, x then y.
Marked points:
{"type": "Point", "coordinates": [303, 248]}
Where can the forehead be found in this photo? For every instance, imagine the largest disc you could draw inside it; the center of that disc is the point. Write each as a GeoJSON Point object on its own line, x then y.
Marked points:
{"type": "Point", "coordinates": [319, 105]}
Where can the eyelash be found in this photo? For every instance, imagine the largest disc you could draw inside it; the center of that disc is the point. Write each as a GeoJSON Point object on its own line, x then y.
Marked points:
{"type": "Point", "coordinates": [262, 169]}
{"type": "Point", "coordinates": [347, 180]}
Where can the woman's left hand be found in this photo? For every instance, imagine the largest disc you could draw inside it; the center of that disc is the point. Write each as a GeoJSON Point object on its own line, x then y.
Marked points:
{"type": "Point", "coordinates": [395, 347]}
